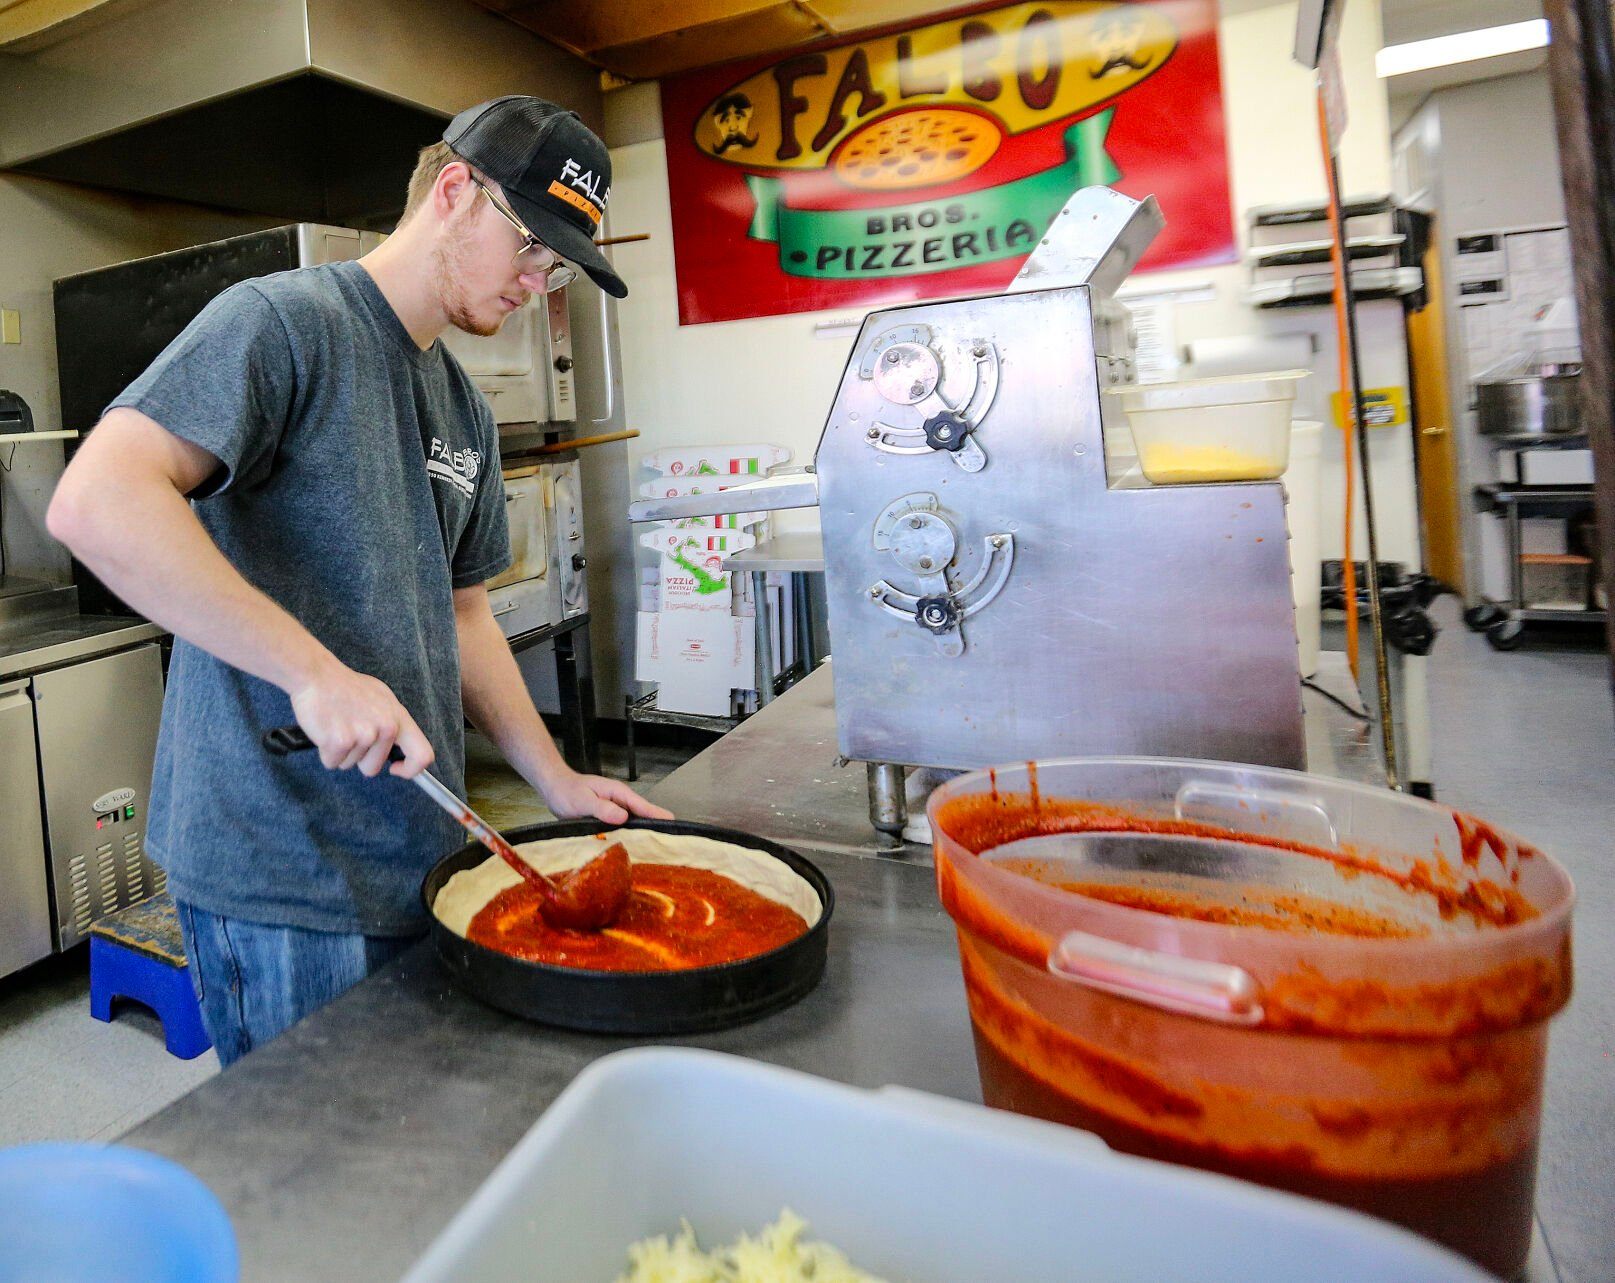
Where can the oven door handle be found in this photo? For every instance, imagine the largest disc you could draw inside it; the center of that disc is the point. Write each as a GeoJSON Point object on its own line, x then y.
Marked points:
{"type": "Point", "coordinates": [605, 359]}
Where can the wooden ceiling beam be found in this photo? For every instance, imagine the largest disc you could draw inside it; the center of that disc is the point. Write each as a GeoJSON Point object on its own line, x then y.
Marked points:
{"type": "Point", "coordinates": [648, 39]}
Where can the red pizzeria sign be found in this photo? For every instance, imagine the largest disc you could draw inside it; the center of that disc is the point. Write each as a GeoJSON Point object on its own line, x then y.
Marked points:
{"type": "Point", "coordinates": [928, 162]}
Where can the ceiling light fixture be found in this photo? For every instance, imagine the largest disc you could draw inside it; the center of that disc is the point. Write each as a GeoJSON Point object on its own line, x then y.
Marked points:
{"type": "Point", "coordinates": [1465, 46]}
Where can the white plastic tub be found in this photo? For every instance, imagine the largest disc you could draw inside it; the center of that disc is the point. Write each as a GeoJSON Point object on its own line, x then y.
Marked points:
{"type": "Point", "coordinates": [914, 1188]}
{"type": "Point", "coordinates": [1229, 428]}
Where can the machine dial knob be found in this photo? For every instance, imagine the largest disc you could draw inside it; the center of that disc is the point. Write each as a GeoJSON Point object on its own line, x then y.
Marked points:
{"type": "Point", "coordinates": [563, 363]}
{"type": "Point", "coordinates": [947, 431]}
{"type": "Point", "coordinates": [578, 561]}
{"type": "Point", "coordinates": [936, 614]}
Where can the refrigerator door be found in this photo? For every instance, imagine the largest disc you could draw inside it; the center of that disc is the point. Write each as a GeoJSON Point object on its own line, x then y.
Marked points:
{"type": "Point", "coordinates": [25, 917]}
{"type": "Point", "coordinates": [97, 724]}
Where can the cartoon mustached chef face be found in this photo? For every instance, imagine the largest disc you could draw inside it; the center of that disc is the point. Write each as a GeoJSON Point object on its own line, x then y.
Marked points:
{"type": "Point", "coordinates": [1116, 37]}
{"type": "Point", "coordinates": [731, 116]}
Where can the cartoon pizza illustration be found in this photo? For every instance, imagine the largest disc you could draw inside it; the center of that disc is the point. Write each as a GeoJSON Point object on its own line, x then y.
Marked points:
{"type": "Point", "coordinates": [917, 147]}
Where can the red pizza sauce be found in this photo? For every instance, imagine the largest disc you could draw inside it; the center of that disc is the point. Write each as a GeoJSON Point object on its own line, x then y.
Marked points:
{"type": "Point", "coordinates": [675, 918]}
{"type": "Point", "coordinates": [1413, 1095]}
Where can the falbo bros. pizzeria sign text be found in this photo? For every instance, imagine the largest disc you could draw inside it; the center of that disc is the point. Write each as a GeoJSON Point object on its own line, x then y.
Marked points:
{"type": "Point", "coordinates": [928, 162]}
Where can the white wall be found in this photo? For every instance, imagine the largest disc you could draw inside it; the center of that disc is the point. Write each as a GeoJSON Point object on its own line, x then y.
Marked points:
{"type": "Point", "coordinates": [771, 379]}
{"type": "Point", "coordinates": [1490, 160]}
{"type": "Point", "coordinates": [47, 230]}
{"type": "Point", "coordinates": [1275, 157]}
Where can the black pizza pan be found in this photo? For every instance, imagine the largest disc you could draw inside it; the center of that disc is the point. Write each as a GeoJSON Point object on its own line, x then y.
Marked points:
{"type": "Point", "coordinates": [696, 1000]}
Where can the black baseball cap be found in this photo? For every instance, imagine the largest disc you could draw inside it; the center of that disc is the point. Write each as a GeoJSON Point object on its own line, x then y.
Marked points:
{"type": "Point", "coordinates": [555, 173]}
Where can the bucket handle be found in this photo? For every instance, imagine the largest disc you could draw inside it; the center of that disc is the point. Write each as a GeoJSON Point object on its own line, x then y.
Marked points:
{"type": "Point", "coordinates": [1189, 986]}
{"type": "Point", "coordinates": [1301, 819]}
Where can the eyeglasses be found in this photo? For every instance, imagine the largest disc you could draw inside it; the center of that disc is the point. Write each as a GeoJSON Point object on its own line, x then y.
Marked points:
{"type": "Point", "coordinates": [557, 274]}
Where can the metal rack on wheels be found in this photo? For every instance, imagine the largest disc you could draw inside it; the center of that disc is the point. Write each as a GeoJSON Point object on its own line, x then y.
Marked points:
{"type": "Point", "coordinates": [1517, 501]}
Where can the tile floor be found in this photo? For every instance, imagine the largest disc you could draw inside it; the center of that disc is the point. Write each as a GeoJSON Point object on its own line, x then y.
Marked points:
{"type": "Point", "coordinates": [1526, 739]}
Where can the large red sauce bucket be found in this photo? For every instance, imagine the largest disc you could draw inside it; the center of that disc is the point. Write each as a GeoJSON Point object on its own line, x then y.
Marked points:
{"type": "Point", "coordinates": [1323, 987]}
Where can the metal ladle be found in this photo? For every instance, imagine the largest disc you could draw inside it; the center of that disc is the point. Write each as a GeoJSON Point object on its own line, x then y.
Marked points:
{"type": "Point", "coordinates": [587, 898]}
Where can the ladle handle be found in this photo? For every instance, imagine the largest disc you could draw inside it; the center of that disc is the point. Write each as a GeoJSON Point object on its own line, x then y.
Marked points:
{"type": "Point", "coordinates": [284, 740]}
{"type": "Point", "coordinates": [1189, 986]}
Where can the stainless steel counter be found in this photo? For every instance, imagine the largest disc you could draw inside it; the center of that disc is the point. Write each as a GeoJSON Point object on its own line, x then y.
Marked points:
{"type": "Point", "coordinates": [35, 645]}
{"type": "Point", "coordinates": [794, 552]}
{"type": "Point", "coordinates": [341, 1149]}
{"type": "Point", "coordinates": [40, 628]}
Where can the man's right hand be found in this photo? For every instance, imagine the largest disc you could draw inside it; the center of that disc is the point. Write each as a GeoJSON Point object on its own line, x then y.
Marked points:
{"type": "Point", "coordinates": [355, 720]}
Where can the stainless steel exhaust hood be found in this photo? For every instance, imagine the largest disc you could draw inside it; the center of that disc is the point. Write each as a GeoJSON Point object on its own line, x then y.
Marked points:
{"type": "Point", "coordinates": [308, 110]}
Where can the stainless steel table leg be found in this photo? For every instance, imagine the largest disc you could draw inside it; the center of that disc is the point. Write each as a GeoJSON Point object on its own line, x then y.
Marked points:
{"type": "Point", "coordinates": [888, 808]}
{"type": "Point", "coordinates": [1516, 571]}
{"type": "Point", "coordinates": [764, 639]}
{"type": "Point", "coordinates": [804, 620]}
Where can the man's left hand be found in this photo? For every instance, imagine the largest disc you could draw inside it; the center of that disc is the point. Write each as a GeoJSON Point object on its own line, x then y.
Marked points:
{"type": "Point", "coordinates": [575, 796]}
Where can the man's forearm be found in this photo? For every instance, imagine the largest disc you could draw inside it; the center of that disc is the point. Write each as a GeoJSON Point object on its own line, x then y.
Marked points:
{"type": "Point", "coordinates": [496, 698]}
{"type": "Point", "coordinates": [156, 555]}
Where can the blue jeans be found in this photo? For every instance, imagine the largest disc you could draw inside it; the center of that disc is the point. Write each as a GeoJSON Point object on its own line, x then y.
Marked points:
{"type": "Point", "coordinates": [254, 981]}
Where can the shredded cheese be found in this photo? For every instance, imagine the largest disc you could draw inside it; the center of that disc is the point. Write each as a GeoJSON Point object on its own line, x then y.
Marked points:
{"type": "Point", "coordinates": [777, 1255]}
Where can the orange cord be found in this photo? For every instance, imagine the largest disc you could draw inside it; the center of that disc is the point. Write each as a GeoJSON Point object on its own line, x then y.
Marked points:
{"type": "Point", "coordinates": [1349, 424]}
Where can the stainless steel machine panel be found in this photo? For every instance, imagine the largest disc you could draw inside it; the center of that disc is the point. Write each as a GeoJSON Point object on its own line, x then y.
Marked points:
{"type": "Point", "coordinates": [25, 912]}
{"type": "Point", "coordinates": [97, 725]}
{"type": "Point", "coordinates": [993, 599]}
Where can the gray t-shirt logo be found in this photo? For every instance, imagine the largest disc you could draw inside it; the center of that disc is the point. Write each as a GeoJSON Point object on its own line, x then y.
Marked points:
{"type": "Point", "coordinates": [458, 467]}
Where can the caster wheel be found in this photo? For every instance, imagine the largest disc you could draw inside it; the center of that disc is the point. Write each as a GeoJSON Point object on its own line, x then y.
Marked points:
{"type": "Point", "coordinates": [1507, 635]}
{"type": "Point", "coordinates": [1480, 618]}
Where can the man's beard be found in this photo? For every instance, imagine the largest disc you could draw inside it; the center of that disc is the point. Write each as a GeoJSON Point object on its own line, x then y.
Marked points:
{"type": "Point", "coordinates": [448, 261]}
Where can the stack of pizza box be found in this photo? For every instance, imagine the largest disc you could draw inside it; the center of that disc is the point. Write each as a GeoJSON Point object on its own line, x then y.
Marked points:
{"type": "Point", "coordinates": [695, 626]}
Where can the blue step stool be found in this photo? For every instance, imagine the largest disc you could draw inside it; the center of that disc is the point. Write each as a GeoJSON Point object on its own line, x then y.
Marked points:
{"type": "Point", "coordinates": [139, 953]}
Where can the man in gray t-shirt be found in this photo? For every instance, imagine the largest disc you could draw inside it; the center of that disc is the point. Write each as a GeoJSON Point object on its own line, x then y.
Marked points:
{"type": "Point", "coordinates": [308, 495]}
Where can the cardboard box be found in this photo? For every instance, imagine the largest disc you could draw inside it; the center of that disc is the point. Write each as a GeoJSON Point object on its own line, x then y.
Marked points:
{"type": "Point", "coordinates": [716, 460]}
{"type": "Point", "coordinates": [697, 659]}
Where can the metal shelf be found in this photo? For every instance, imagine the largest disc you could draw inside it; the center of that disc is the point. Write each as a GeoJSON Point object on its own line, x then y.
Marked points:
{"type": "Point", "coordinates": [1304, 252]}
{"type": "Point", "coordinates": [1534, 500]}
{"type": "Point", "coordinates": [1560, 615]}
{"type": "Point", "coordinates": [644, 710]}
{"type": "Point", "coordinates": [1534, 441]}
{"type": "Point", "coordinates": [1318, 289]}
{"type": "Point", "coordinates": [1317, 211]}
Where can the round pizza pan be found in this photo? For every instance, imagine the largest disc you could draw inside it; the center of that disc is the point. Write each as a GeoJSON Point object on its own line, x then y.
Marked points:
{"type": "Point", "coordinates": [696, 1000]}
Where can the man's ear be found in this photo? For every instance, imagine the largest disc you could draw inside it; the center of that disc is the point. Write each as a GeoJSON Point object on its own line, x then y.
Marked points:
{"type": "Point", "coordinates": [453, 188]}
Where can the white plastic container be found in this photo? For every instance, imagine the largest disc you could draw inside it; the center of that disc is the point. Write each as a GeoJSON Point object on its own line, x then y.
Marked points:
{"type": "Point", "coordinates": [913, 1187]}
{"type": "Point", "coordinates": [1229, 428]}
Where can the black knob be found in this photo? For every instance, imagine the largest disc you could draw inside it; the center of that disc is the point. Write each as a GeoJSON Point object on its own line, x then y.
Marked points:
{"type": "Point", "coordinates": [578, 563]}
{"type": "Point", "coordinates": [563, 363]}
{"type": "Point", "coordinates": [946, 431]}
{"type": "Point", "coordinates": [936, 614]}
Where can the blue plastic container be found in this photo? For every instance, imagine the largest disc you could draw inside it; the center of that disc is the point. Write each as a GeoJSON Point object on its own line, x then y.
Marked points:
{"type": "Point", "coordinates": [89, 1213]}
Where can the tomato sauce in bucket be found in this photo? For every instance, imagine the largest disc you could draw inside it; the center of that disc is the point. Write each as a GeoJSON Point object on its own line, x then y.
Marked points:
{"type": "Point", "coordinates": [1326, 988]}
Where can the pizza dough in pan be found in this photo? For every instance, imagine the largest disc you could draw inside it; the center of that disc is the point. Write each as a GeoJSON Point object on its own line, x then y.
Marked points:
{"type": "Point", "coordinates": [466, 894]}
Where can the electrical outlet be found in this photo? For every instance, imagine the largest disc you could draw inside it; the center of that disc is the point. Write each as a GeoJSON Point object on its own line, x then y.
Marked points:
{"type": "Point", "coordinates": [10, 325]}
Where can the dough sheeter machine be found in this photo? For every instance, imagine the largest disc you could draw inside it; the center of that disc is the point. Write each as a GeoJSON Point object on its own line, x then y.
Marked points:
{"type": "Point", "coordinates": [994, 595]}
